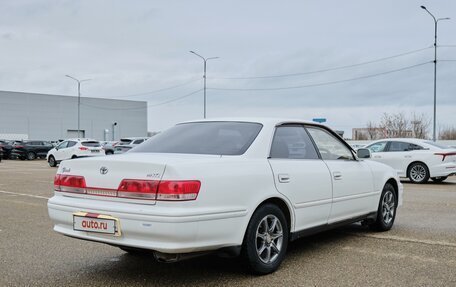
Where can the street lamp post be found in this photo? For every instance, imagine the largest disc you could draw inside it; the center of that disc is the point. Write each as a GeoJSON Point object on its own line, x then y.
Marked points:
{"type": "Point", "coordinates": [204, 76]}
{"type": "Point", "coordinates": [79, 99]}
{"type": "Point", "coordinates": [435, 69]}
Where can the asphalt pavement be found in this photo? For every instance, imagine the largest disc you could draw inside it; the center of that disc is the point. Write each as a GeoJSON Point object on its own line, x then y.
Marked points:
{"type": "Point", "coordinates": [420, 250]}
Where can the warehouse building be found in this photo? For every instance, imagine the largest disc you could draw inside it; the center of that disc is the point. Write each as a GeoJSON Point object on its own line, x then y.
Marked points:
{"type": "Point", "coordinates": [53, 117]}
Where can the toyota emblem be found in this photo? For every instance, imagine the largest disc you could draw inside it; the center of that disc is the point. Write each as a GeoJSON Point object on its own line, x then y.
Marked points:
{"type": "Point", "coordinates": [103, 170]}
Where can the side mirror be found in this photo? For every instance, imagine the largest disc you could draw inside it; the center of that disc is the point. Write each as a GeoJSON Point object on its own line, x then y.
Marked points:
{"type": "Point", "coordinates": [363, 153]}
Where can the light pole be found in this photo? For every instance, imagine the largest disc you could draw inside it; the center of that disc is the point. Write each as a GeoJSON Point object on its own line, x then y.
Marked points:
{"type": "Point", "coordinates": [204, 76]}
{"type": "Point", "coordinates": [435, 69]}
{"type": "Point", "coordinates": [79, 99]}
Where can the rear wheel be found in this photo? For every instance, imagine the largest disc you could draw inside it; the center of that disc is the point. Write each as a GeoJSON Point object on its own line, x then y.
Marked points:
{"type": "Point", "coordinates": [386, 213]}
{"type": "Point", "coordinates": [418, 172]}
{"type": "Point", "coordinates": [51, 161]}
{"type": "Point", "coordinates": [74, 156]}
{"type": "Point", "coordinates": [439, 179]}
{"type": "Point", "coordinates": [31, 155]}
{"type": "Point", "coordinates": [266, 240]}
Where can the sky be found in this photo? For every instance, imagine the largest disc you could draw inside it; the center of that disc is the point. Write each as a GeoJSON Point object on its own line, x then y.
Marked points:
{"type": "Point", "coordinates": [347, 61]}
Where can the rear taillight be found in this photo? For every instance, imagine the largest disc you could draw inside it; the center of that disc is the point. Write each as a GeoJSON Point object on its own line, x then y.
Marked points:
{"type": "Point", "coordinates": [167, 190]}
{"type": "Point", "coordinates": [140, 189]}
{"type": "Point", "coordinates": [83, 148]}
{"type": "Point", "coordinates": [18, 146]}
{"type": "Point", "coordinates": [69, 183]}
{"type": "Point", "coordinates": [178, 190]}
{"type": "Point", "coordinates": [445, 154]}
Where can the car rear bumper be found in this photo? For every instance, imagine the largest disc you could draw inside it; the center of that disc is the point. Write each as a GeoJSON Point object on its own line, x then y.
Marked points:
{"type": "Point", "coordinates": [167, 230]}
{"type": "Point", "coordinates": [444, 169]}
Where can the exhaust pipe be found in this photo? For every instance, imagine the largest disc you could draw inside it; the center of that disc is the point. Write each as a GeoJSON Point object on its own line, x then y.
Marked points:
{"type": "Point", "coordinates": [171, 258]}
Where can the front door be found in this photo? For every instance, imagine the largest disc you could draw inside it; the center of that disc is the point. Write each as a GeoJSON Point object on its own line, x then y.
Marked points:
{"type": "Point", "coordinates": [352, 180]}
{"type": "Point", "coordinates": [301, 176]}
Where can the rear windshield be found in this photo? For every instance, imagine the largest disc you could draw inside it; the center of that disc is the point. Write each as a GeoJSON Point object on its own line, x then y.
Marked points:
{"type": "Point", "coordinates": [218, 138]}
{"type": "Point", "coordinates": [91, 144]}
{"type": "Point", "coordinates": [125, 141]}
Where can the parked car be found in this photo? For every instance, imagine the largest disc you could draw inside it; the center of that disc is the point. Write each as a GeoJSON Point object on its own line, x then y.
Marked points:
{"type": "Point", "coordinates": [109, 146]}
{"type": "Point", "coordinates": [235, 186]}
{"type": "Point", "coordinates": [128, 143]}
{"type": "Point", "coordinates": [30, 149]}
{"type": "Point", "coordinates": [7, 148]}
{"type": "Point", "coordinates": [416, 159]}
{"type": "Point", "coordinates": [74, 148]}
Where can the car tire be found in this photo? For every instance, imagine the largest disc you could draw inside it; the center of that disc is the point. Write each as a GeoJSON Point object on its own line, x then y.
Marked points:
{"type": "Point", "coordinates": [109, 152]}
{"type": "Point", "coordinates": [418, 172]}
{"type": "Point", "coordinates": [51, 161]}
{"type": "Point", "coordinates": [266, 240]}
{"type": "Point", "coordinates": [74, 156]}
{"type": "Point", "coordinates": [386, 212]}
{"type": "Point", "coordinates": [439, 179]}
{"type": "Point", "coordinates": [31, 155]}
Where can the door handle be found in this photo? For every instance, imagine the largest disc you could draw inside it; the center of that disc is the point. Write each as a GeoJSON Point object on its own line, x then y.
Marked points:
{"type": "Point", "coordinates": [284, 178]}
{"type": "Point", "coordinates": [337, 175]}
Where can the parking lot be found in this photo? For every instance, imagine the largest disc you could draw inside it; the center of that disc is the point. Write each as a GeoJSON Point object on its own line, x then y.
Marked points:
{"type": "Point", "coordinates": [420, 250]}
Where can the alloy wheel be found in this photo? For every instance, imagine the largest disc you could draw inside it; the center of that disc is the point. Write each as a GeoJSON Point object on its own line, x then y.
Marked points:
{"type": "Point", "coordinates": [388, 207]}
{"type": "Point", "coordinates": [269, 239]}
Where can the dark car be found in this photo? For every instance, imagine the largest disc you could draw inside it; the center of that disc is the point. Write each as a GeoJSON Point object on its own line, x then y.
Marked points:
{"type": "Point", "coordinates": [7, 147]}
{"type": "Point", "coordinates": [1, 153]}
{"type": "Point", "coordinates": [31, 149]}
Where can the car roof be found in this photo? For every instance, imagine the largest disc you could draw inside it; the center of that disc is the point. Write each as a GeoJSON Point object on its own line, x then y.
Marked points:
{"type": "Point", "coordinates": [261, 120]}
{"type": "Point", "coordinates": [81, 139]}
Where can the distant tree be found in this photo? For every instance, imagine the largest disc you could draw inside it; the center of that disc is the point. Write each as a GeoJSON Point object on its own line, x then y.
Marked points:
{"type": "Point", "coordinates": [395, 125]}
{"type": "Point", "coordinates": [448, 133]}
{"type": "Point", "coordinates": [372, 130]}
{"type": "Point", "coordinates": [420, 125]}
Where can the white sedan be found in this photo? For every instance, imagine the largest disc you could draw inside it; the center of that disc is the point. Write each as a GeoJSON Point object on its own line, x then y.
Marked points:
{"type": "Point", "coordinates": [416, 159]}
{"type": "Point", "coordinates": [240, 187]}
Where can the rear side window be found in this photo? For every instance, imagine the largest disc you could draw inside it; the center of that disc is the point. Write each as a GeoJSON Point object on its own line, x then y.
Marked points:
{"type": "Point", "coordinates": [138, 141]}
{"type": "Point", "coordinates": [71, 143]}
{"type": "Point", "coordinates": [218, 138]}
{"type": "Point", "coordinates": [403, 146]}
{"type": "Point", "coordinates": [91, 144]}
{"type": "Point", "coordinates": [293, 142]}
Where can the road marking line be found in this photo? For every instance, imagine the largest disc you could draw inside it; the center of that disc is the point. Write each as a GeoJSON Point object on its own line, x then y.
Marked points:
{"type": "Point", "coordinates": [23, 194]}
{"type": "Point", "coordinates": [405, 239]}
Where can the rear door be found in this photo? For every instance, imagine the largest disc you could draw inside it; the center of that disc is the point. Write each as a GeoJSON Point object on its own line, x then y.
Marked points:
{"type": "Point", "coordinates": [60, 151]}
{"type": "Point", "coordinates": [352, 180]}
{"type": "Point", "coordinates": [301, 175]}
{"type": "Point", "coordinates": [399, 155]}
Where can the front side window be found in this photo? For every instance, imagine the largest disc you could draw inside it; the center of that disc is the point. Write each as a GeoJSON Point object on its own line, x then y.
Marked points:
{"type": "Point", "coordinates": [62, 145]}
{"type": "Point", "coordinates": [217, 138]}
{"type": "Point", "coordinates": [377, 147]}
{"type": "Point", "coordinates": [292, 142]}
{"type": "Point", "coordinates": [330, 147]}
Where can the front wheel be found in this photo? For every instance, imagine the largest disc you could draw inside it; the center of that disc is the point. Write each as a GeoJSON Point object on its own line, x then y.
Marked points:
{"type": "Point", "coordinates": [439, 179]}
{"type": "Point", "coordinates": [386, 212]}
{"type": "Point", "coordinates": [31, 155]}
{"type": "Point", "coordinates": [266, 240]}
{"type": "Point", "coordinates": [418, 173]}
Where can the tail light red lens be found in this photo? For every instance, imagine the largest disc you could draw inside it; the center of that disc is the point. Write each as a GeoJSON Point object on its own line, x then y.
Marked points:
{"type": "Point", "coordinates": [83, 148]}
{"type": "Point", "coordinates": [69, 183]}
{"type": "Point", "coordinates": [178, 190]}
{"type": "Point", "coordinates": [135, 188]}
{"type": "Point", "coordinates": [445, 154]}
{"type": "Point", "coordinates": [139, 189]}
